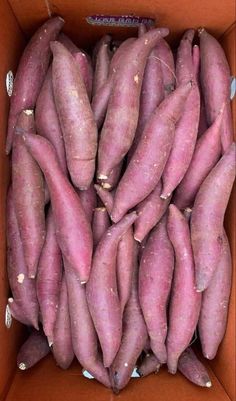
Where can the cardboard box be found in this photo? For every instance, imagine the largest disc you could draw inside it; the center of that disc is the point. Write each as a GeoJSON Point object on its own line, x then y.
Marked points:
{"type": "Point", "coordinates": [46, 382]}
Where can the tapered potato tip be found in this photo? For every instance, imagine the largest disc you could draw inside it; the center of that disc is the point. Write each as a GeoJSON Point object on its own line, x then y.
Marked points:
{"type": "Point", "coordinates": [200, 31]}
{"type": "Point", "coordinates": [22, 366]}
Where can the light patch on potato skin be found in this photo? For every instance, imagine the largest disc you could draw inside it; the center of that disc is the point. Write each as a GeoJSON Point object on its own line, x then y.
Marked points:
{"type": "Point", "coordinates": [20, 278]}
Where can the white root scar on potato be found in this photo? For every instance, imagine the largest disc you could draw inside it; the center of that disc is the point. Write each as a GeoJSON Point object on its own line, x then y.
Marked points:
{"type": "Point", "coordinates": [20, 278]}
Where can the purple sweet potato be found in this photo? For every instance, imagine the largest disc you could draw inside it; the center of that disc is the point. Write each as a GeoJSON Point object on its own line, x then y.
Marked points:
{"type": "Point", "coordinates": [76, 117]}
{"type": "Point", "coordinates": [196, 61]}
{"type": "Point", "coordinates": [208, 216]}
{"type": "Point", "coordinates": [123, 107]}
{"type": "Point", "coordinates": [68, 43]}
{"type": "Point", "coordinates": [152, 94]}
{"type": "Point", "coordinates": [187, 126]}
{"type": "Point", "coordinates": [124, 260]}
{"type": "Point", "coordinates": [62, 336]}
{"type": "Point", "coordinates": [166, 58]}
{"type": "Point", "coordinates": [215, 82]}
{"type": "Point", "coordinates": [102, 67]}
{"type": "Point", "coordinates": [89, 201]}
{"type": "Point", "coordinates": [205, 156]}
{"type": "Point", "coordinates": [134, 336]}
{"type": "Point", "coordinates": [24, 304]}
{"type": "Point", "coordinates": [31, 72]}
{"type": "Point", "coordinates": [102, 294]}
{"type": "Point", "coordinates": [150, 211]}
{"type": "Point", "coordinates": [86, 71]}
{"type": "Point", "coordinates": [101, 222]}
{"type": "Point", "coordinates": [84, 338]}
{"type": "Point", "coordinates": [124, 267]}
{"type": "Point", "coordinates": [155, 278]}
{"type": "Point", "coordinates": [149, 364]}
{"type": "Point", "coordinates": [106, 39]}
{"type": "Point", "coordinates": [185, 302]}
{"type": "Point", "coordinates": [48, 280]}
{"type": "Point", "coordinates": [47, 121]}
{"type": "Point", "coordinates": [73, 230]}
{"type": "Point", "coordinates": [28, 195]}
{"type": "Point", "coordinates": [215, 301]}
{"type": "Point", "coordinates": [100, 100]}
{"type": "Point", "coordinates": [147, 164]}
{"type": "Point", "coordinates": [33, 350]}
{"type": "Point", "coordinates": [190, 366]}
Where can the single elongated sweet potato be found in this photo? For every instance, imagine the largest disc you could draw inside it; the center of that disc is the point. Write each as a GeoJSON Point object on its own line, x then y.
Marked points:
{"type": "Point", "coordinates": [68, 43]}
{"type": "Point", "coordinates": [102, 294]}
{"type": "Point", "coordinates": [124, 260]}
{"type": "Point", "coordinates": [215, 300]}
{"type": "Point", "coordinates": [205, 156]}
{"type": "Point", "coordinates": [190, 366]}
{"type": "Point", "coordinates": [187, 126]}
{"type": "Point", "coordinates": [155, 278]}
{"type": "Point", "coordinates": [62, 336]}
{"type": "Point", "coordinates": [48, 280]}
{"type": "Point", "coordinates": [152, 93]}
{"type": "Point", "coordinates": [24, 304]}
{"type": "Point", "coordinates": [84, 64]}
{"type": "Point", "coordinates": [84, 338]}
{"type": "Point", "coordinates": [73, 230]}
{"type": "Point", "coordinates": [101, 222]}
{"type": "Point", "coordinates": [149, 364]}
{"type": "Point", "coordinates": [150, 211]}
{"type": "Point", "coordinates": [134, 336]}
{"type": "Point", "coordinates": [28, 195]}
{"type": "Point", "coordinates": [123, 107]}
{"type": "Point", "coordinates": [76, 117]}
{"type": "Point", "coordinates": [147, 164]}
{"type": "Point", "coordinates": [208, 215]}
{"type": "Point", "coordinates": [215, 82]}
{"type": "Point", "coordinates": [100, 100]}
{"type": "Point", "coordinates": [89, 201]}
{"type": "Point", "coordinates": [185, 302]}
{"type": "Point", "coordinates": [102, 66]}
{"type": "Point", "coordinates": [33, 350]}
{"type": "Point", "coordinates": [31, 72]}
{"type": "Point", "coordinates": [47, 121]}
{"type": "Point", "coordinates": [106, 39]}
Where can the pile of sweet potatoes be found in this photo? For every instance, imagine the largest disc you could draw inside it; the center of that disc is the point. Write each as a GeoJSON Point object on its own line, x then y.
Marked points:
{"type": "Point", "coordinates": [122, 165]}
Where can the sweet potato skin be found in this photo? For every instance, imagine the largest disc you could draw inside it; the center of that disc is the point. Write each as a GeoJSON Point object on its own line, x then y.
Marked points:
{"type": "Point", "coordinates": [84, 338]}
{"type": "Point", "coordinates": [147, 164]}
{"type": "Point", "coordinates": [166, 58]}
{"type": "Point", "coordinates": [47, 121]}
{"type": "Point", "coordinates": [33, 350]}
{"type": "Point", "coordinates": [215, 300]}
{"type": "Point", "coordinates": [150, 211]}
{"type": "Point", "coordinates": [28, 195]}
{"type": "Point", "coordinates": [149, 364]}
{"type": "Point", "coordinates": [216, 91]}
{"type": "Point", "coordinates": [208, 215]}
{"type": "Point", "coordinates": [123, 103]}
{"type": "Point", "coordinates": [31, 72]}
{"type": "Point", "coordinates": [187, 126]}
{"type": "Point", "coordinates": [206, 154]}
{"type": "Point", "coordinates": [185, 302]}
{"type": "Point", "coordinates": [76, 117]}
{"type": "Point", "coordinates": [62, 337]}
{"type": "Point", "coordinates": [155, 279]}
{"type": "Point", "coordinates": [101, 222]}
{"type": "Point", "coordinates": [48, 280]}
{"type": "Point", "coordinates": [102, 67]}
{"type": "Point", "coordinates": [24, 304]}
{"type": "Point", "coordinates": [193, 369]}
{"type": "Point", "coordinates": [73, 230]}
{"type": "Point", "coordinates": [134, 336]}
{"type": "Point", "coordinates": [101, 290]}
{"type": "Point", "coordinates": [88, 199]}
{"type": "Point", "coordinates": [86, 71]}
